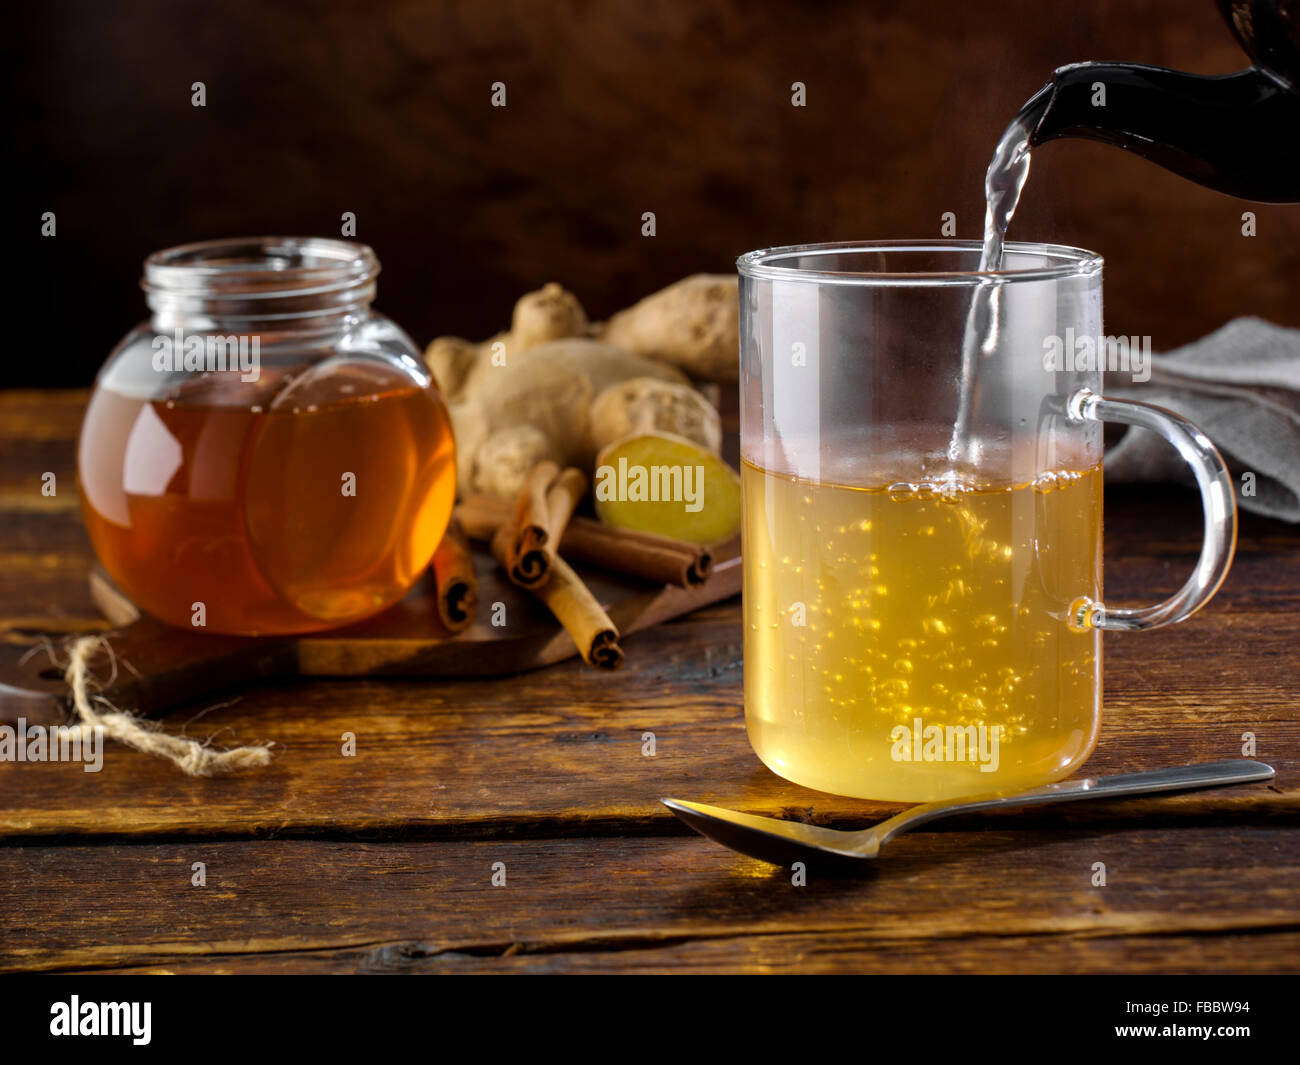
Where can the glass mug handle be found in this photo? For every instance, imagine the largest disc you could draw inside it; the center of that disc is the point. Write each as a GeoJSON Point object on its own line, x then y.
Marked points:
{"type": "Point", "coordinates": [1217, 500]}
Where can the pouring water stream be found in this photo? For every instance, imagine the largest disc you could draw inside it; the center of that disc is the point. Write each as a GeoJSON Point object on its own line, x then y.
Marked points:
{"type": "Point", "coordinates": [1003, 182]}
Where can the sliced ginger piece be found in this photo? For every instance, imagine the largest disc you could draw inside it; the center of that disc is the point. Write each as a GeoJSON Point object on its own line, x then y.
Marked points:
{"type": "Point", "coordinates": [661, 483]}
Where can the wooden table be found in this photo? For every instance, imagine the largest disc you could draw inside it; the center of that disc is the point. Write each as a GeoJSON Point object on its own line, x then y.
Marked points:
{"type": "Point", "coordinates": [385, 861]}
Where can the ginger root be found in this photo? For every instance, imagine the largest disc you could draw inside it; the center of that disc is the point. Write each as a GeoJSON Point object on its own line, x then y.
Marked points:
{"type": "Point", "coordinates": [646, 404]}
{"type": "Point", "coordinates": [462, 367]}
{"type": "Point", "coordinates": [504, 459]}
{"type": "Point", "coordinates": [550, 313]}
{"type": "Point", "coordinates": [451, 361]}
{"type": "Point", "coordinates": [539, 405]}
{"type": "Point", "coordinates": [693, 324]}
{"type": "Point", "coordinates": [660, 483]}
{"type": "Point", "coordinates": [547, 390]}
{"type": "Point", "coordinates": [469, 426]}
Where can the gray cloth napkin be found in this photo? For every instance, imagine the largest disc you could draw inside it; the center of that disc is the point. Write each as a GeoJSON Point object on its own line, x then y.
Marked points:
{"type": "Point", "coordinates": [1241, 386]}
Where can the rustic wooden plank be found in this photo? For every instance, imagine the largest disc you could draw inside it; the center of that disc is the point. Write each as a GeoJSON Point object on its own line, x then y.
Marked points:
{"type": "Point", "coordinates": [429, 905]}
{"type": "Point", "coordinates": [38, 430]}
{"type": "Point", "coordinates": [799, 953]}
{"type": "Point", "coordinates": [564, 746]}
{"type": "Point", "coordinates": [151, 666]}
{"type": "Point", "coordinates": [41, 413]}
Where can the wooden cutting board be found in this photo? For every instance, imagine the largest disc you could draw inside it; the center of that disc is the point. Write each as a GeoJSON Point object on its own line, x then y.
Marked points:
{"type": "Point", "coordinates": [158, 666]}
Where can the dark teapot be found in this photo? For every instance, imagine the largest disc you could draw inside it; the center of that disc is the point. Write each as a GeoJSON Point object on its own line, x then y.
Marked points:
{"type": "Point", "coordinates": [1237, 133]}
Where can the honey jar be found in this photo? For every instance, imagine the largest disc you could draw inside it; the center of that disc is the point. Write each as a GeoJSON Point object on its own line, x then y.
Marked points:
{"type": "Point", "coordinates": [266, 454]}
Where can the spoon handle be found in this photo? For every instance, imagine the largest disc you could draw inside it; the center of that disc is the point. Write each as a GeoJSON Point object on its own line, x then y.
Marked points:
{"type": "Point", "coordinates": [1177, 778]}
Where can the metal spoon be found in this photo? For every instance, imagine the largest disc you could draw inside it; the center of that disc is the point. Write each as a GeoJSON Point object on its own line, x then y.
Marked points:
{"type": "Point", "coordinates": [782, 842]}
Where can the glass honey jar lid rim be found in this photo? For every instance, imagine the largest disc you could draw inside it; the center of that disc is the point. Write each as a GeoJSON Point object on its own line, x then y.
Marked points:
{"type": "Point", "coordinates": [260, 267]}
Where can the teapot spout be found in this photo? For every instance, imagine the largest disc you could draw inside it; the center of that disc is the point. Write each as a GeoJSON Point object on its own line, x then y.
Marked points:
{"type": "Point", "coordinates": [1236, 133]}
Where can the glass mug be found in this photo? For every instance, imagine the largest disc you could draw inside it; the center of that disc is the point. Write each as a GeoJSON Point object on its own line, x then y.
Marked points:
{"type": "Point", "coordinates": [921, 450]}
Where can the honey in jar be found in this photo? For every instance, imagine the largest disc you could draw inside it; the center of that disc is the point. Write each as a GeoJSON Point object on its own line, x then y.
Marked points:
{"type": "Point", "coordinates": [267, 455]}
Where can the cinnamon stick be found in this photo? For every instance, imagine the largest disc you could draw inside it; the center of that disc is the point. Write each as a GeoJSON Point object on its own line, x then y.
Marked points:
{"type": "Point", "coordinates": [454, 578]}
{"type": "Point", "coordinates": [573, 605]}
{"type": "Point", "coordinates": [562, 499]}
{"type": "Point", "coordinates": [529, 560]}
{"type": "Point", "coordinates": [659, 559]}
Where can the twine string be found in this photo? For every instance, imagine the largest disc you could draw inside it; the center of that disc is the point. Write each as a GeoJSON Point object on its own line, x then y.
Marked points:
{"type": "Point", "coordinates": [190, 756]}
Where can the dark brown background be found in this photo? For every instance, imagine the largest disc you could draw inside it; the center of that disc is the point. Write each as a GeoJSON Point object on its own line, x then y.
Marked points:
{"type": "Point", "coordinates": [615, 108]}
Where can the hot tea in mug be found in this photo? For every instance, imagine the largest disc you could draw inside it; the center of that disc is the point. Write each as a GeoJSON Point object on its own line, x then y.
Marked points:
{"type": "Point", "coordinates": [922, 542]}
